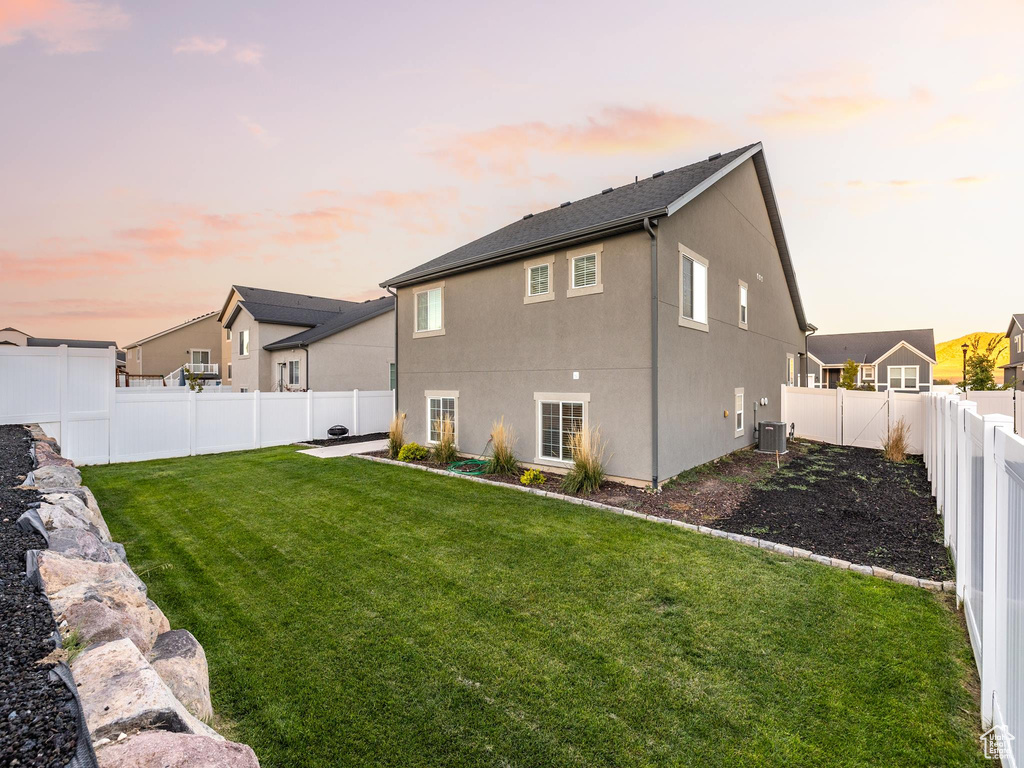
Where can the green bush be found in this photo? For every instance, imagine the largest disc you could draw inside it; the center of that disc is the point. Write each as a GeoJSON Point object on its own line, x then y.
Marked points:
{"type": "Point", "coordinates": [532, 477]}
{"type": "Point", "coordinates": [413, 452]}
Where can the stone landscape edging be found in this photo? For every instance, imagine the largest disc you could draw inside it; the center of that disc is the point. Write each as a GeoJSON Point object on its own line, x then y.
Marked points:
{"type": "Point", "coordinates": [770, 546]}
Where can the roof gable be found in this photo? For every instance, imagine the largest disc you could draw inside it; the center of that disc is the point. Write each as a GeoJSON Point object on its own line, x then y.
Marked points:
{"type": "Point", "coordinates": [869, 348]}
{"type": "Point", "coordinates": [171, 330]}
{"type": "Point", "coordinates": [1017, 320]}
{"type": "Point", "coordinates": [341, 321]}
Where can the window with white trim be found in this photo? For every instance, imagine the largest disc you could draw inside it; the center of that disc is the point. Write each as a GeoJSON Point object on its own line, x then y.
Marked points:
{"type": "Point", "coordinates": [903, 377]}
{"type": "Point", "coordinates": [243, 343]}
{"type": "Point", "coordinates": [393, 375]}
{"type": "Point", "coordinates": [228, 330]}
{"type": "Point", "coordinates": [539, 281]}
{"type": "Point", "coordinates": [229, 371]}
{"type": "Point", "coordinates": [437, 409]}
{"type": "Point", "coordinates": [743, 305]}
{"type": "Point", "coordinates": [584, 271]}
{"type": "Point", "coordinates": [867, 373]}
{"type": "Point", "coordinates": [293, 372]}
{"type": "Point", "coordinates": [559, 421]}
{"type": "Point", "coordinates": [790, 370]}
{"type": "Point", "coordinates": [738, 405]}
{"type": "Point", "coordinates": [693, 289]}
{"type": "Point", "coordinates": [199, 356]}
{"type": "Point", "coordinates": [429, 310]}
{"type": "Point", "coordinates": [138, 353]}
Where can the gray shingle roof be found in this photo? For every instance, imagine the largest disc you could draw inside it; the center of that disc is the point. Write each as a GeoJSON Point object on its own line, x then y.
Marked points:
{"type": "Point", "coordinates": [647, 196]}
{"type": "Point", "coordinates": [1018, 319]}
{"type": "Point", "coordinates": [339, 321]}
{"type": "Point", "coordinates": [836, 349]}
{"type": "Point", "coordinates": [283, 308]}
{"type": "Point", "coordinates": [35, 341]}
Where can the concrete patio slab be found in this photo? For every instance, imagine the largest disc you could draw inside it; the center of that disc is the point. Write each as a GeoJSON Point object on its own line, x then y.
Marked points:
{"type": "Point", "coordinates": [345, 449]}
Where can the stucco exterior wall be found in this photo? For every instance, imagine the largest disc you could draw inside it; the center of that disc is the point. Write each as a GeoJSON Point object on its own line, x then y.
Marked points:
{"type": "Point", "coordinates": [699, 371]}
{"type": "Point", "coordinates": [255, 371]}
{"type": "Point", "coordinates": [357, 358]}
{"type": "Point", "coordinates": [813, 369]}
{"type": "Point", "coordinates": [226, 340]}
{"type": "Point", "coordinates": [169, 352]}
{"type": "Point", "coordinates": [17, 338]}
{"type": "Point", "coordinates": [279, 376]}
{"type": "Point", "coordinates": [497, 352]}
{"type": "Point", "coordinates": [904, 356]}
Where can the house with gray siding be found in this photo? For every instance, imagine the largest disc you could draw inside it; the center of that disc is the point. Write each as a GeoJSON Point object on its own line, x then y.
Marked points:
{"type": "Point", "coordinates": [275, 341]}
{"type": "Point", "coordinates": [1013, 372]}
{"type": "Point", "coordinates": [664, 311]}
{"type": "Point", "coordinates": [897, 360]}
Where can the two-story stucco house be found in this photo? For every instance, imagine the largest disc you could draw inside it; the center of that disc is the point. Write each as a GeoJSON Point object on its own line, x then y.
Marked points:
{"type": "Point", "coordinates": [665, 311]}
{"type": "Point", "coordinates": [1013, 372]}
{"type": "Point", "coordinates": [275, 341]}
{"type": "Point", "coordinates": [898, 360]}
{"type": "Point", "coordinates": [195, 343]}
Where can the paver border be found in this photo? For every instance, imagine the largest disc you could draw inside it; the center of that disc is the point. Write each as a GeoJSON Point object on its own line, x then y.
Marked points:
{"type": "Point", "coordinates": [781, 549]}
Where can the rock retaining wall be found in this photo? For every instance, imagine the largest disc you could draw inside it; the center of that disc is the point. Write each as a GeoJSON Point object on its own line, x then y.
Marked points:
{"type": "Point", "coordinates": [144, 688]}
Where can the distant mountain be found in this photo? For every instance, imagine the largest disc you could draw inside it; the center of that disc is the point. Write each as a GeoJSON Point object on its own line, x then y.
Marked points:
{"type": "Point", "coordinates": [950, 357]}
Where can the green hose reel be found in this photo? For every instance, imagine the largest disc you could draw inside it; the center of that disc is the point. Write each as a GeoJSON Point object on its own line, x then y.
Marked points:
{"type": "Point", "coordinates": [468, 467]}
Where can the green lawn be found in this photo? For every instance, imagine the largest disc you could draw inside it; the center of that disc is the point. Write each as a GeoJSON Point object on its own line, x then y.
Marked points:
{"type": "Point", "coordinates": [362, 614]}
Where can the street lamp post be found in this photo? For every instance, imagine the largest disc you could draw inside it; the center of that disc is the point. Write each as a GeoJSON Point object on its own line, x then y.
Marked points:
{"type": "Point", "coordinates": [964, 348]}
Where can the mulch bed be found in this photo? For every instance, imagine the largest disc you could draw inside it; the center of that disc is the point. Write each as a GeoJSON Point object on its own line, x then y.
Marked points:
{"type": "Point", "coordinates": [36, 724]}
{"type": "Point", "coordinates": [347, 439]}
{"type": "Point", "coordinates": [836, 501]}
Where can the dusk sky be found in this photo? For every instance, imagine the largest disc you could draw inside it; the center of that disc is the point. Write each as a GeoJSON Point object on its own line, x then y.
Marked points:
{"type": "Point", "coordinates": [152, 154]}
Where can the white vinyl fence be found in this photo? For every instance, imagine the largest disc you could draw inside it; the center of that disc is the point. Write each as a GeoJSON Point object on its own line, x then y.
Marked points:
{"type": "Point", "coordinates": [976, 466]}
{"type": "Point", "coordinates": [71, 394]}
{"type": "Point", "coordinates": [853, 417]}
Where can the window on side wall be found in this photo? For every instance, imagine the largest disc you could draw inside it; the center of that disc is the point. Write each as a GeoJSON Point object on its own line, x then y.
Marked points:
{"type": "Point", "coordinates": [559, 421]}
{"type": "Point", "coordinates": [540, 280]}
{"type": "Point", "coordinates": [439, 407]}
{"type": "Point", "coordinates": [229, 371]}
{"type": "Point", "coordinates": [430, 311]}
{"type": "Point", "coordinates": [739, 412]}
{"type": "Point", "coordinates": [293, 372]}
{"type": "Point", "coordinates": [393, 375]}
{"type": "Point", "coordinates": [693, 289]}
{"type": "Point", "coordinates": [790, 370]}
{"type": "Point", "coordinates": [867, 373]}
{"type": "Point", "coordinates": [243, 343]}
{"type": "Point", "coordinates": [540, 285]}
{"type": "Point", "coordinates": [228, 330]}
{"type": "Point", "coordinates": [743, 305]}
{"type": "Point", "coordinates": [903, 377]}
{"type": "Point", "coordinates": [585, 271]}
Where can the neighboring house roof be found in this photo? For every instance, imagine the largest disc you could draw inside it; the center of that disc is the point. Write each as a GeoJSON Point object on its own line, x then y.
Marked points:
{"type": "Point", "coordinates": [1018, 319]}
{"type": "Point", "coordinates": [869, 348]}
{"type": "Point", "coordinates": [35, 341]}
{"type": "Point", "coordinates": [9, 328]}
{"type": "Point", "coordinates": [352, 315]}
{"type": "Point", "coordinates": [612, 211]}
{"type": "Point", "coordinates": [169, 330]}
{"type": "Point", "coordinates": [297, 301]}
{"type": "Point", "coordinates": [9, 343]}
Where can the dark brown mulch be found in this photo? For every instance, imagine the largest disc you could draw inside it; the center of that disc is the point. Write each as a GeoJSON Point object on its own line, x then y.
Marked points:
{"type": "Point", "coordinates": [348, 439]}
{"type": "Point", "coordinates": [852, 504]}
{"type": "Point", "coordinates": [837, 501]}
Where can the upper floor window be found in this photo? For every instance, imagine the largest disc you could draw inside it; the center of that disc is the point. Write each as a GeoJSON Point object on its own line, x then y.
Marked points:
{"type": "Point", "coordinates": [243, 343]}
{"type": "Point", "coordinates": [200, 357]}
{"type": "Point", "coordinates": [585, 271]}
{"type": "Point", "coordinates": [540, 280]}
{"type": "Point", "coordinates": [138, 353]}
{"type": "Point", "coordinates": [393, 375]}
{"type": "Point", "coordinates": [429, 306]}
{"type": "Point", "coordinates": [293, 372]}
{"type": "Point", "coordinates": [790, 370]}
{"type": "Point", "coordinates": [693, 289]}
{"type": "Point", "coordinates": [228, 331]}
{"type": "Point", "coordinates": [743, 304]}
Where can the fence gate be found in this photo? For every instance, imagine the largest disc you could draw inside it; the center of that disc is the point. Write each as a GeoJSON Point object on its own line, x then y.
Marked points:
{"type": "Point", "coordinates": [865, 418]}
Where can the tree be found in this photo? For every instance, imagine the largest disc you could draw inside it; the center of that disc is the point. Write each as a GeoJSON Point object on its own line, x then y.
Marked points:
{"type": "Point", "coordinates": [981, 363]}
{"type": "Point", "coordinates": [195, 383]}
{"type": "Point", "coordinates": [848, 379]}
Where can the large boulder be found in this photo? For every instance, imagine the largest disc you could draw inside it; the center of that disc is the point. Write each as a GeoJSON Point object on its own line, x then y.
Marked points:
{"type": "Point", "coordinates": [180, 660]}
{"type": "Point", "coordinates": [53, 572]}
{"type": "Point", "coordinates": [82, 504]}
{"type": "Point", "coordinates": [160, 749]}
{"type": "Point", "coordinates": [58, 516]}
{"type": "Point", "coordinates": [56, 477]}
{"type": "Point", "coordinates": [47, 456]}
{"type": "Point", "coordinates": [122, 693]}
{"type": "Point", "coordinates": [108, 611]}
{"type": "Point", "coordinates": [75, 542]}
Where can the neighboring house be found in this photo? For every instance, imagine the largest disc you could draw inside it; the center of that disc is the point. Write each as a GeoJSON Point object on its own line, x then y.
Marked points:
{"type": "Point", "coordinates": [1013, 372]}
{"type": "Point", "coordinates": [195, 343]}
{"type": "Point", "coordinates": [277, 341]}
{"type": "Point", "coordinates": [13, 337]}
{"type": "Point", "coordinates": [897, 360]}
{"type": "Point", "coordinates": [665, 312]}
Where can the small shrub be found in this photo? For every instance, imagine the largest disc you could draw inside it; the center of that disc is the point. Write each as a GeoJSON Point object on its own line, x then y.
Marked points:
{"type": "Point", "coordinates": [396, 435]}
{"type": "Point", "coordinates": [72, 644]}
{"type": "Point", "coordinates": [503, 450]}
{"type": "Point", "coordinates": [444, 448]}
{"type": "Point", "coordinates": [413, 452]}
{"type": "Point", "coordinates": [533, 477]}
{"type": "Point", "coordinates": [897, 441]}
{"type": "Point", "coordinates": [587, 471]}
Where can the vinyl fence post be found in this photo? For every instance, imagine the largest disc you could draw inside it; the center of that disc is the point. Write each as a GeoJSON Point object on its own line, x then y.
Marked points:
{"type": "Point", "coordinates": [256, 437]}
{"type": "Point", "coordinates": [957, 517]}
{"type": "Point", "coordinates": [355, 412]}
{"type": "Point", "coordinates": [191, 423]}
{"type": "Point", "coordinates": [993, 422]}
{"type": "Point", "coordinates": [890, 406]}
{"type": "Point", "coordinates": [62, 359]}
{"type": "Point", "coordinates": [839, 416]}
{"type": "Point", "coordinates": [309, 414]}
{"type": "Point", "coordinates": [1001, 585]}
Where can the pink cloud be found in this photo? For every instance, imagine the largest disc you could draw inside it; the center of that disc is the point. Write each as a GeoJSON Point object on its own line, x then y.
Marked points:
{"type": "Point", "coordinates": [63, 267]}
{"type": "Point", "coordinates": [63, 26]}
{"type": "Point", "coordinates": [159, 234]}
{"type": "Point", "coordinates": [198, 44]}
{"type": "Point", "coordinates": [323, 225]}
{"type": "Point", "coordinates": [257, 131]}
{"type": "Point", "coordinates": [251, 54]}
{"type": "Point", "coordinates": [819, 112]}
{"type": "Point", "coordinates": [505, 149]}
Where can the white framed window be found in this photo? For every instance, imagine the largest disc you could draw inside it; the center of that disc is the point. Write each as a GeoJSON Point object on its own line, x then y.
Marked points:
{"type": "Point", "coordinates": [293, 372]}
{"type": "Point", "coordinates": [243, 343]}
{"type": "Point", "coordinates": [743, 305]}
{"type": "Point", "coordinates": [693, 289]}
{"type": "Point", "coordinates": [243, 389]}
{"type": "Point", "coordinates": [540, 280]}
{"type": "Point", "coordinates": [1019, 341]}
{"type": "Point", "coordinates": [199, 356]}
{"type": "Point", "coordinates": [738, 415]}
{"type": "Point", "coordinates": [540, 275]}
{"type": "Point", "coordinates": [903, 376]}
{"type": "Point", "coordinates": [393, 376]}
{"type": "Point", "coordinates": [138, 353]}
{"type": "Point", "coordinates": [228, 331]}
{"type": "Point", "coordinates": [559, 417]}
{"type": "Point", "coordinates": [867, 373]}
{"type": "Point", "coordinates": [585, 271]}
{"type": "Point", "coordinates": [439, 405]}
{"type": "Point", "coordinates": [790, 370]}
{"type": "Point", "coordinates": [429, 308]}
{"type": "Point", "coordinates": [229, 371]}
